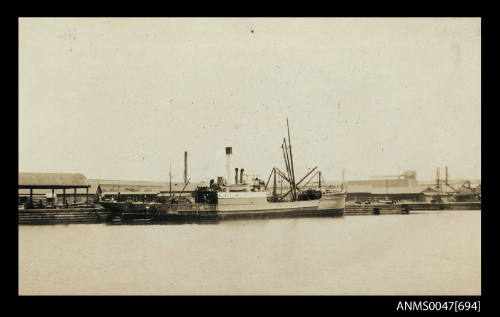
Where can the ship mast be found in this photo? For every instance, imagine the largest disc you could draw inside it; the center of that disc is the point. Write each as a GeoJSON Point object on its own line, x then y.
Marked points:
{"type": "Point", "coordinates": [292, 176]}
{"type": "Point", "coordinates": [290, 172]}
{"type": "Point", "coordinates": [170, 180]}
{"type": "Point", "coordinates": [287, 160]}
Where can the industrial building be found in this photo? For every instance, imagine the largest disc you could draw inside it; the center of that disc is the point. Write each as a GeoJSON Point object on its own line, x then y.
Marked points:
{"type": "Point", "coordinates": [140, 190]}
{"type": "Point", "coordinates": [53, 189]}
{"type": "Point", "coordinates": [406, 188]}
{"type": "Point", "coordinates": [421, 193]}
{"type": "Point", "coordinates": [41, 190]}
{"type": "Point", "coordinates": [56, 190]}
{"type": "Point", "coordinates": [468, 192]}
{"type": "Point", "coordinates": [407, 179]}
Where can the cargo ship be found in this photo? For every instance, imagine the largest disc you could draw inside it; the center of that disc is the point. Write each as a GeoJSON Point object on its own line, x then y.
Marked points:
{"type": "Point", "coordinates": [242, 198]}
{"type": "Point", "coordinates": [229, 205]}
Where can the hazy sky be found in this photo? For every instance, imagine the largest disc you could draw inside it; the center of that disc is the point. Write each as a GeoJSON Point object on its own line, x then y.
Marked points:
{"type": "Point", "coordinates": [124, 98]}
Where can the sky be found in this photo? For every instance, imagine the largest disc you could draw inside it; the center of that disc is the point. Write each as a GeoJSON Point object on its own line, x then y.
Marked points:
{"type": "Point", "coordinates": [123, 98]}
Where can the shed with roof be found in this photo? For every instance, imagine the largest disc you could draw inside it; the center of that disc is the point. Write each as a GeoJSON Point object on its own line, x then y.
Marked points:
{"type": "Point", "coordinates": [52, 181]}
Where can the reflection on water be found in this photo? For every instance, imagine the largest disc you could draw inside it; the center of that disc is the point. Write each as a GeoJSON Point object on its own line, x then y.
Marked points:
{"type": "Point", "coordinates": [436, 252]}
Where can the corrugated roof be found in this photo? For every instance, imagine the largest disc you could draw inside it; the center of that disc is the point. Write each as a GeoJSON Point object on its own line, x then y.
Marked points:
{"type": "Point", "coordinates": [398, 190]}
{"type": "Point", "coordinates": [444, 189]}
{"type": "Point", "coordinates": [123, 185]}
{"type": "Point", "coordinates": [126, 182]}
{"type": "Point", "coordinates": [179, 186]}
{"type": "Point", "coordinates": [384, 190]}
{"type": "Point", "coordinates": [132, 193]}
{"type": "Point", "coordinates": [52, 180]}
{"type": "Point", "coordinates": [359, 189]}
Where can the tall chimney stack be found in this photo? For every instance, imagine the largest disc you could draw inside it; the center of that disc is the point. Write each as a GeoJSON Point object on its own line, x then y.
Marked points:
{"type": "Point", "coordinates": [229, 151]}
{"type": "Point", "coordinates": [241, 175]}
{"type": "Point", "coordinates": [446, 175]}
{"type": "Point", "coordinates": [185, 167]}
{"type": "Point", "coordinates": [236, 175]}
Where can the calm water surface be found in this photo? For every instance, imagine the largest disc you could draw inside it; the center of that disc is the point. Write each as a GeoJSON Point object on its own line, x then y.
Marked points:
{"type": "Point", "coordinates": [434, 252]}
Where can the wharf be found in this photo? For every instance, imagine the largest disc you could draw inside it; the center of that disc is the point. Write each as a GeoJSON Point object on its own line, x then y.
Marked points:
{"type": "Point", "coordinates": [373, 209]}
{"type": "Point", "coordinates": [473, 205]}
{"type": "Point", "coordinates": [101, 215]}
{"type": "Point", "coordinates": [405, 208]}
{"type": "Point", "coordinates": [62, 216]}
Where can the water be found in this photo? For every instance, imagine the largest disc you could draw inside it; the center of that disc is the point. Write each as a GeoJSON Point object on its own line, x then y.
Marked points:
{"type": "Point", "coordinates": [426, 253]}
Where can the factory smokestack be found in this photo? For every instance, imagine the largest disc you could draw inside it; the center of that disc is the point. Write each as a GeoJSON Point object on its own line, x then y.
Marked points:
{"type": "Point", "coordinates": [236, 175]}
{"type": "Point", "coordinates": [446, 175]}
{"type": "Point", "coordinates": [229, 151]}
{"type": "Point", "coordinates": [241, 175]}
{"type": "Point", "coordinates": [185, 167]}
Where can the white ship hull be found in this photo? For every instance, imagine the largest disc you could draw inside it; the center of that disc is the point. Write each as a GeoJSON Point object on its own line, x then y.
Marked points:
{"type": "Point", "coordinates": [255, 204]}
